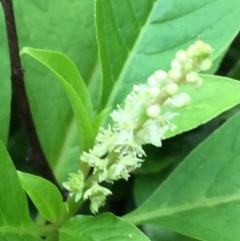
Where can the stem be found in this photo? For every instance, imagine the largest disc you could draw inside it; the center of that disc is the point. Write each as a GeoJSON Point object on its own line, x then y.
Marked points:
{"type": "Point", "coordinates": [73, 207]}
{"type": "Point", "coordinates": [36, 152]}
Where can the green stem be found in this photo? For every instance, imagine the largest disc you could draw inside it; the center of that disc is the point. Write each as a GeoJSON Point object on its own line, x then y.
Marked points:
{"type": "Point", "coordinates": [44, 230]}
{"type": "Point", "coordinates": [36, 154]}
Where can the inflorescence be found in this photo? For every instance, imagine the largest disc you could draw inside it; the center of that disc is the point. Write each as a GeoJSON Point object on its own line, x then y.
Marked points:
{"type": "Point", "coordinates": [143, 120]}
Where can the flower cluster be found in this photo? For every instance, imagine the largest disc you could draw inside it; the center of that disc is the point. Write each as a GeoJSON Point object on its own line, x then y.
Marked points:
{"type": "Point", "coordinates": [142, 120]}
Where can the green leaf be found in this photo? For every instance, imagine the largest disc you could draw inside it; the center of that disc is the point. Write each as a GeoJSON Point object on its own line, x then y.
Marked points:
{"type": "Point", "coordinates": [201, 197]}
{"type": "Point", "coordinates": [5, 88]}
{"type": "Point", "coordinates": [15, 221]}
{"type": "Point", "coordinates": [145, 185]}
{"type": "Point", "coordinates": [45, 196]}
{"type": "Point", "coordinates": [64, 69]}
{"type": "Point", "coordinates": [138, 37]}
{"type": "Point", "coordinates": [68, 28]}
{"type": "Point", "coordinates": [75, 89]}
{"type": "Point", "coordinates": [158, 233]}
{"type": "Point", "coordinates": [217, 95]}
{"type": "Point", "coordinates": [102, 227]}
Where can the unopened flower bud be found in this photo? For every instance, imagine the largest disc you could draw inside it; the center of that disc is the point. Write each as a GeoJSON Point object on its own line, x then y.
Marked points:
{"type": "Point", "coordinates": [199, 83]}
{"type": "Point", "coordinates": [153, 111]}
{"type": "Point", "coordinates": [152, 81]}
{"type": "Point", "coordinates": [136, 87]}
{"type": "Point", "coordinates": [161, 76]}
{"type": "Point", "coordinates": [192, 78]}
{"type": "Point", "coordinates": [175, 64]}
{"type": "Point", "coordinates": [188, 67]}
{"type": "Point", "coordinates": [191, 51]}
{"type": "Point", "coordinates": [154, 92]}
{"type": "Point", "coordinates": [206, 64]}
{"type": "Point", "coordinates": [97, 195]}
{"type": "Point", "coordinates": [175, 74]}
{"type": "Point", "coordinates": [181, 56]}
{"type": "Point", "coordinates": [171, 89]}
{"type": "Point", "coordinates": [209, 49]}
{"type": "Point", "coordinates": [181, 100]}
{"type": "Point", "coordinates": [199, 44]}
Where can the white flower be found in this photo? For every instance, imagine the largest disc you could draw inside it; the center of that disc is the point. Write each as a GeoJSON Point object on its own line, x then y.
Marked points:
{"type": "Point", "coordinates": [75, 185]}
{"type": "Point", "coordinates": [99, 165]}
{"type": "Point", "coordinates": [150, 133]}
{"type": "Point", "coordinates": [165, 121]}
{"type": "Point", "coordinates": [97, 195]}
{"type": "Point", "coordinates": [124, 121]}
{"type": "Point", "coordinates": [137, 97]}
{"type": "Point", "coordinates": [124, 165]}
{"type": "Point", "coordinates": [104, 134]}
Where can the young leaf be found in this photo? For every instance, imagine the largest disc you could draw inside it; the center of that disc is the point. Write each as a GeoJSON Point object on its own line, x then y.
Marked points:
{"type": "Point", "coordinates": [102, 227]}
{"type": "Point", "coordinates": [217, 95]}
{"type": "Point", "coordinates": [75, 89]}
{"type": "Point", "coordinates": [136, 38]}
{"type": "Point", "coordinates": [15, 221]}
{"type": "Point", "coordinates": [201, 197]}
{"type": "Point", "coordinates": [45, 196]}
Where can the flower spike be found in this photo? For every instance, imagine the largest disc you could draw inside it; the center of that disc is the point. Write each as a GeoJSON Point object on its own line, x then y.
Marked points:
{"type": "Point", "coordinates": [142, 120]}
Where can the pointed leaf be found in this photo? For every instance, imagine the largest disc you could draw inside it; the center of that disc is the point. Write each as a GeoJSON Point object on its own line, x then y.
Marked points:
{"type": "Point", "coordinates": [102, 227]}
{"type": "Point", "coordinates": [75, 89]}
{"type": "Point", "coordinates": [15, 221]}
{"type": "Point", "coordinates": [45, 196]}
{"type": "Point", "coordinates": [217, 95]}
{"type": "Point", "coordinates": [201, 198]}
{"type": "Point", "coordinates": [136, 38]}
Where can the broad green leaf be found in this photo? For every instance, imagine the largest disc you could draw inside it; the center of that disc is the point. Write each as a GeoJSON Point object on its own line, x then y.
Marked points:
{"type": "Point", "coordinates": [145, 185]}
{"type": "Point", "coordinates": [69, 77]}
{"type": "Point", "coordinates": [15, 221]}
{"type": "Point", "coordinates": [45, 196]}
{"type": "Point", "coordinates": [137, 37]}
{"type": "Point", "coordinates": [158, 233]}
{"type": "Point", "coordinates": [5, 89]}
{"type": "Point", "coordinates": [102, 227]}
{"type": "Point", "coordinates": [217, 95]}
{"type": "Point", "coordinates": [67, 27]}
{"type": "Point", "coordinates": [201, 197]}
